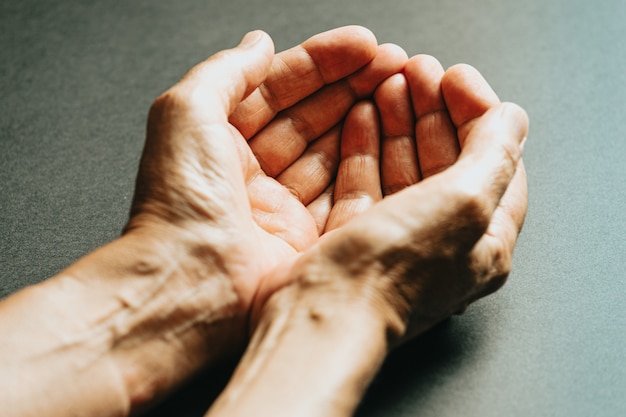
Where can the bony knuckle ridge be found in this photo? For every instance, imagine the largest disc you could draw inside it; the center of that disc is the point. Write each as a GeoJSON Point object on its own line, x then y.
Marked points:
{"type": "Point", "coordinates": [169, 100]}
{"type": "Point", "coordinates": [474, 207]}
{"type": "Point", "coordinates": [503, 261]}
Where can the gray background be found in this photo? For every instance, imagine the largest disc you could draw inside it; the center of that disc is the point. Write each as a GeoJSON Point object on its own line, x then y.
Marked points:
{"type": "Point", "coordinates": [77, 79]}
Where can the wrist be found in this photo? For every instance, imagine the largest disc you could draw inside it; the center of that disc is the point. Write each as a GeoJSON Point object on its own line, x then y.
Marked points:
{"type": "Point", "coordinates": [322, 346]}
{"type": "Point", "coordinates": [151, 309]}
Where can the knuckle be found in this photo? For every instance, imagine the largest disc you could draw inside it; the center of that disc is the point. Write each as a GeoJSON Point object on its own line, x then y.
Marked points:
{"type": "Point", "coordinates": [172, 99]}
{"type": "Point", "coordinates": [510, 155]}
{"type": "Point", "coordinates": [502, 261]}
{"type": "Point", "coordinates": [473, 206]}
{"type": "Point", "coordinates": [184, 97]}
{"type": "Point", "coordinates": [517, 129]}
{"type": "Point", "coordinates": [497, 269]}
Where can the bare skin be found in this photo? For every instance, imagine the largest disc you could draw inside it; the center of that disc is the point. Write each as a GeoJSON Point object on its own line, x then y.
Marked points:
{"type": "Point", "coordinates": [441, 237]}
{"type": "Point", "coordinates": [129, 322]}
{"type": "Point", "coordinates": [261, 194]}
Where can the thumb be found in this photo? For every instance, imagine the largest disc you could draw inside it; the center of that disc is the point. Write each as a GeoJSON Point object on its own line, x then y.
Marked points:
{"type": "Point", "coordinates": [226, 78]}
{"type": "Point", "coordinates": [492, 150]}
{"type": "Point", "coordinates": [486, 167]}
{"type": "Point", "coordinates": [454, 208]}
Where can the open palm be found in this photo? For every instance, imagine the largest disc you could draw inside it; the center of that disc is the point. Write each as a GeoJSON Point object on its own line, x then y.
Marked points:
{"type": "Point", "coordinates": [453, 200]}
{"type": "Point", "coordinates": [242, 153]}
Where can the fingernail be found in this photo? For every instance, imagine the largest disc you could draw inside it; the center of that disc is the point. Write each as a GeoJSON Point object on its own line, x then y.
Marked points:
{"type": "Point", "coordinates": [251, 38]}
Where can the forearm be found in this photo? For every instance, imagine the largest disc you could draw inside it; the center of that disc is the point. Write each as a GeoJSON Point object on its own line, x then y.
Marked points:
{"type": "Point", "coordinates": [48, 366]}
{"type": "Point", "coordinates": [121, 326]}
{"type": "Point", "coordinates": [313, 353]}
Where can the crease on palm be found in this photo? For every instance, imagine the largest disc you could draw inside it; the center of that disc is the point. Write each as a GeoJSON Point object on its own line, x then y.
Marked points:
{"type": "Point", "coordinates": [280, 191]}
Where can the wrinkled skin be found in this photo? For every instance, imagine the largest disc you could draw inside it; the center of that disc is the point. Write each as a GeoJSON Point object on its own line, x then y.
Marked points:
{"type": "Point", "coordinates": [453, 197]}
{"type": "Point", "coordinates": [429, 199]}
{"type": "Point", "coordinates": [266, 190]}
{"type": "Point", "coordinates": [214, 151]}
{"type": "Point", "coordinates": [267, 181]}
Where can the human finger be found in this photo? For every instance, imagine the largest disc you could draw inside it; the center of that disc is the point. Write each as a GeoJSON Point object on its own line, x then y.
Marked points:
{"type": "Point", "coordinates": [437, 144]}
{"type": "Point", "coordinates": [282, 141]}
{"type": "Point", "coordinates": [492, 255]}
{"type": "Point", "coordinates": [357, 186]}
{"type": "Point", "coordinates": [311, 174]}
{"type": "Point", "coordinates": [461, 200]}
{"type": "Point", "coordinates": [467, 95]}
{"type": "Point", "coordinates": [399, 165]}
{"type": "Point", "coordinates": [300, 71]}
{"type": "Point", "coordinates": [238, 72]}
{"type": "Point", "coordinates": [489, 160]}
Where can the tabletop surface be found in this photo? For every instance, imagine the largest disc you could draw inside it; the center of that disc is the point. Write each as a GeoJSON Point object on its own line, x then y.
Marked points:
{"type": "Point", "coordinates": [77, 79]}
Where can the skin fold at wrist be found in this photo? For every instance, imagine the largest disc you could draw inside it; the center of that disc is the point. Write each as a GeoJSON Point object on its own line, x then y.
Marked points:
{"type": "Point", "coordinates": [322, 344]}
{"type": "Point", "coordinates": [142, 314]}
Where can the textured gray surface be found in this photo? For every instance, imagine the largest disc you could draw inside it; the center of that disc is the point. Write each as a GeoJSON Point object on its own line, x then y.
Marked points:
{"type": "Point", "coordinates": [76, 80]}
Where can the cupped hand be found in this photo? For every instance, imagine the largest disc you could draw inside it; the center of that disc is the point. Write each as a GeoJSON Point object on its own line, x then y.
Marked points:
{"type": "Point", "coordinates": [454, 197]}
{"type": "Point", "coordinates": [217, 140]}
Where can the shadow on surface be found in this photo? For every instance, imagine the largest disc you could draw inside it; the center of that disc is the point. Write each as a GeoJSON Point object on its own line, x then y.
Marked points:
{"type": "Point", "coordinates": [410, 373]}
{"type": "Point", "coordinates": [405, 382]}
{"type": "Point", "coordinates": [194, 398]}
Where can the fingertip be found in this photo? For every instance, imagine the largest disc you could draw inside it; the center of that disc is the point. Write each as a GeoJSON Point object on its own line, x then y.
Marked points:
{"type": "Point", "coordinates": [230, 75]}
{"type": "Point", "coordinates": [464, 79]}
{"type": "Point", "coordinates": [257, 49]}
{"type": "Point", "coordinates": [462, 67]}
{"type": "Point", "coordinates": [360, 34]}
{"type": "Point", "coordinates": [418, 63]}
{"type": "Point", "coordinates": [467, 94]}
{"type": "Point", "coordinates": [256, 37]}
{"type": "Point", "coordinates": [394, 104]}
{"type": "Point", "coordinates": [389, 60]}
{"type": "Point", "coordinates": [342, 51]}
{"type": "Point", "coordinates": [394, 51]}
{"type": "Point", "coordinates": [353, 39]}
{"type": "Point", "coordinates": [251, 38]}
{"type": "Point", "coordinates": [461, 70]}
{"type": "Point", "coordinates": [424, 74]}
